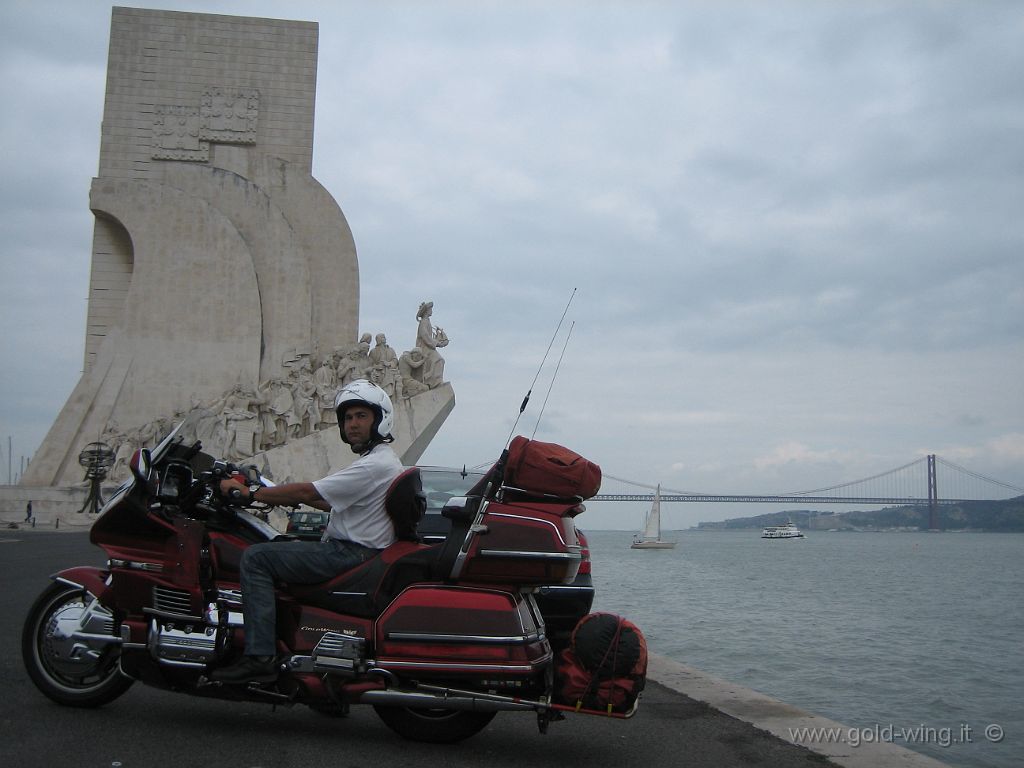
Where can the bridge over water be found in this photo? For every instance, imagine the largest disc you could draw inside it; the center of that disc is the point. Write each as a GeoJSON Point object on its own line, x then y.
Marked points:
{"type": "Point", "coordinates": [913, 484]}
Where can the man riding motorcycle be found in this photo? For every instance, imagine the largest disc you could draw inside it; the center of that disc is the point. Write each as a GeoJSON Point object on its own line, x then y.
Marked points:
{"type": "Point", "coordinates": [359, 527]}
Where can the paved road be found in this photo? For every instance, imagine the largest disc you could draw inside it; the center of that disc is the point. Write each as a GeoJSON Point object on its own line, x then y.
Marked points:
{"type": "Point", "coordinates": [148, 728]}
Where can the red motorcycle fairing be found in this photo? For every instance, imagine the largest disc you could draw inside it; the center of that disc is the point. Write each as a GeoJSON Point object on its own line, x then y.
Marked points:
{"type": "Point", "coordinates": [303, 628]}
{"type": "Point", "coordinates": [92, 580]}
{"type": "Point", "coordinates": [169, 572]}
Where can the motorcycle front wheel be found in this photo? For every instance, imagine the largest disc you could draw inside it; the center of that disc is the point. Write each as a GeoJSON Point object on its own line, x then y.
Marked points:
{"type": "Point", "coordinates": [434, 726]}
{"type": "Point", "coordinates": [72, 671]}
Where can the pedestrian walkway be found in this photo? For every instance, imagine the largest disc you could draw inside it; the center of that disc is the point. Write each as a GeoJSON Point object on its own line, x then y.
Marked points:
{"type": "Point", "coordinates": [791, 724]}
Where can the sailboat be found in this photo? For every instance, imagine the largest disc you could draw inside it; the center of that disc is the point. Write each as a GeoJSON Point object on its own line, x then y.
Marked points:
{"type": "Point", "coordinates": [651, 536]}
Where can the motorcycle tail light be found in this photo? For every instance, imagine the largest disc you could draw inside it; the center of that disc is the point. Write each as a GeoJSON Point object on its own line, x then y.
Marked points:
{"type": "Point", "coordinates": [585, 551]}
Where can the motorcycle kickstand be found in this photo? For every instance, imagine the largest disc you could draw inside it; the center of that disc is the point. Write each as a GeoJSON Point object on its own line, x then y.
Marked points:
{"type": "Point", "coordinates": [545, 718]}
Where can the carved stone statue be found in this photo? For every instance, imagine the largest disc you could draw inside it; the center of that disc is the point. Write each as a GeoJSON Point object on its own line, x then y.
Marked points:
{"type": "Point", "coordinates": [429, 339]}
{"type": "Point", "coordinates": [206, 426]}
{"type": "Point", "coordinates": [243, 421]}
{"type": "Point", "coordinates": [307, 416]}
{"type": "Point", "coordinates": [326, 386]}
{"type": "Point", "coordinates": [411, 366]}
{"type": "Point", "coordinates": [122, 448]}
{"type": "Point", "coordinates": [354, 365]}
{"type": "Point", "coordinates": [240, 423]}
{"type": "Point", "coordinates": [382, 353]}
{"type": "Point", "coordinates": [278, 412]}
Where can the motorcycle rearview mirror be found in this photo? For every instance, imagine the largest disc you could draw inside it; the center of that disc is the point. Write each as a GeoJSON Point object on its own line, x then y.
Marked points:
{"type": "Point", "coordinates": [141, 465]}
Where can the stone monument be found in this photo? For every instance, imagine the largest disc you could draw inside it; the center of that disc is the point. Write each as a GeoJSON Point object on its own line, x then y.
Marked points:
{"type": "Point", "coordinates": [224, 289]}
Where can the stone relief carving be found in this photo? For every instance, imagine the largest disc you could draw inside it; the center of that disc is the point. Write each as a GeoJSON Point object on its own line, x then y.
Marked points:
{"type": "Point", "coordinates": [249, 419]}
{"type": "Point", "coordinates": [176, 134]}
{"type": "Point", "coordinates": [241, 421]}
{"type": "Point", "coordinates": [278, 416]}
{"type": "Point", "coordinates": [224, 116]}
{"type": "Point", "coordinates": [326, 381]}
{"type": "Point", "coordinates": [229, 116]}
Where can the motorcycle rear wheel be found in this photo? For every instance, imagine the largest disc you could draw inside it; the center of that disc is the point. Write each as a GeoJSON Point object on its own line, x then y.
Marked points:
{"type": "Point", "coordinates": [71, 673]}
{"type": "Point", "coordinates": [434, 726]}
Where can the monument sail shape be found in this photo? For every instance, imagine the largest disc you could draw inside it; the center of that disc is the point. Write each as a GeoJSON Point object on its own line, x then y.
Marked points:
{"type": "Point", "coordinates": [223, 274]}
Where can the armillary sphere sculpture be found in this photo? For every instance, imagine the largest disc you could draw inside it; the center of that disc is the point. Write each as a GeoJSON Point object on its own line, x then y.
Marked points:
{"type": "Point", "coordinates": [97, 458]}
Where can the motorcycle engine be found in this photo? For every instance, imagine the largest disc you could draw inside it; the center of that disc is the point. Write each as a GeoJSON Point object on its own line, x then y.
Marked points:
{"type": "Point", "coordinates": [182, 642]}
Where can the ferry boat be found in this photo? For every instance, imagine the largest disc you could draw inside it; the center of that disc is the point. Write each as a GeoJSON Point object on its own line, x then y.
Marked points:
{"type": "Point", "coordinates": [787, 531]}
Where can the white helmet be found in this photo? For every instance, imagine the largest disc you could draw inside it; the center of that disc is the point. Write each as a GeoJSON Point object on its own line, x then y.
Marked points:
{"type": "Point", "coordinates": [366, 393]}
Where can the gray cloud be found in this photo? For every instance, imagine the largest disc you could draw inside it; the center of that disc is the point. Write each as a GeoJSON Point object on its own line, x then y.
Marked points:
{"type": "Point", "coordinates": [794, 227]}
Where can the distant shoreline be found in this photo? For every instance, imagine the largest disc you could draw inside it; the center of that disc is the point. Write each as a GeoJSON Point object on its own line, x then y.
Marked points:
{"type": "Point", "coordinates": [1005, 516]}
{"type": "Point", "coordinates": [710, 529]}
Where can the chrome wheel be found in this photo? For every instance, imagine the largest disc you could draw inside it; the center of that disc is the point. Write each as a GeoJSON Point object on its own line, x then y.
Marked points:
{"type": "Point", "coordinates": [62, 660]}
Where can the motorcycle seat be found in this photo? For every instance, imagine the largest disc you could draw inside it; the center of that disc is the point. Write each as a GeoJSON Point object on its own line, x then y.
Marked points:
{"type": "Point", "coordinates": [368, 588]}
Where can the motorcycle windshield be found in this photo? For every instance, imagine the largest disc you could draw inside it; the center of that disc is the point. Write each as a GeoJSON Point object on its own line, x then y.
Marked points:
{"type": "Point", "coordinates": [164, 445]}
{"type": "Point", "coordinates": [115, 505]}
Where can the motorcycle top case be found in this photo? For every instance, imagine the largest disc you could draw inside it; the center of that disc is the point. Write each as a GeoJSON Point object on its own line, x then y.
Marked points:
{"type": "Point", "coordinates": [530, 543]}
{"type": "Point", "coordinates": [551, 469]}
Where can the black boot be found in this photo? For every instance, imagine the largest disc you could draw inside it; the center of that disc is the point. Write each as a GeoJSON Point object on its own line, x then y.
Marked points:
{"type": "Point", "coordinates": [248, 669]}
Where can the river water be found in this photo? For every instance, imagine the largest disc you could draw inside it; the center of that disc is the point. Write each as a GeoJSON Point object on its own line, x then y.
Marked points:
{"type": "Point", "coordinates": [915, 638]}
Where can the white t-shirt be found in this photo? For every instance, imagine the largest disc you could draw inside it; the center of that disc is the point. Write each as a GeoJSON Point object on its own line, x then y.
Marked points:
{"type": "Point", "coordinates": [356, 495]}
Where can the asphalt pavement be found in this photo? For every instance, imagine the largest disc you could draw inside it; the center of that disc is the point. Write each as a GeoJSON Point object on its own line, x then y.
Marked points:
{"type": "Point", "coordinates": [149, 728]}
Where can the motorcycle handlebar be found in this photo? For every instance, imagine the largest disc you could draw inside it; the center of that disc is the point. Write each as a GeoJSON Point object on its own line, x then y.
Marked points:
{"type": "Point", "coordinates": [224, 470]}
{"type": "Point", "coordinates": [248, 475]}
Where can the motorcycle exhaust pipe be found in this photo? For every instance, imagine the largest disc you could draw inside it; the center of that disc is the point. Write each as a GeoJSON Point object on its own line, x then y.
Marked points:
{"type": "Point", "coordinates": [393, 698]}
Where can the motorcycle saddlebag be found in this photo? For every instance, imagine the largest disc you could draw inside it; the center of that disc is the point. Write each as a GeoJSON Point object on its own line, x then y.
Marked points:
{"type": "Point", "coordinates": [548, 468]}
{"type": "Point", "coordinates": [435, 629]}
{"type": "Point", "coordinates": [604, 669]}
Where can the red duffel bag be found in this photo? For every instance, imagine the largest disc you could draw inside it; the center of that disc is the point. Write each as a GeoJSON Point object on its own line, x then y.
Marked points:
{"type": "Point", "coordinates": [604, 669]}
{"type": "Point", "coordinates": [550, 468]}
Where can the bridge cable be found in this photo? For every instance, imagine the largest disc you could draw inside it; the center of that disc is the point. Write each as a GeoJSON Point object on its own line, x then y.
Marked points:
{"type": "Point", "coordinates": [977, 475]}
{"type": "Point", "coordinates": [856, 482]}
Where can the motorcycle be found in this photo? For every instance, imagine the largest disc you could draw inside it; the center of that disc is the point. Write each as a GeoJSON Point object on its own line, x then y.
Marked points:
{"type": "Point", "coordinates": [437, 638]}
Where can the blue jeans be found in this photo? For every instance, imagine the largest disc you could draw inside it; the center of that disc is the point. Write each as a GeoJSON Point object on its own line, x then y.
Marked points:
{"type": "Point", "coordinates": [293, 562]}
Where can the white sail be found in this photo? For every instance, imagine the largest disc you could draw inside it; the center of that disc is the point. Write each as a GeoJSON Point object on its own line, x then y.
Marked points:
{"type": "Point", "coordinates": [652, 529]}
{"type": "Point", "coordinates": [651, 537]}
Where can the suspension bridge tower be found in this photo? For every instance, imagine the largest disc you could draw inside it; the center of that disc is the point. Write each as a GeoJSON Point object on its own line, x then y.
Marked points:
{"type": "Point", "coordinates": [933, 496]}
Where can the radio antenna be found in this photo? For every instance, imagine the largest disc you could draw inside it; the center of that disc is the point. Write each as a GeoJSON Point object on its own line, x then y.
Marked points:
{"type": "Point", "coordinates": [526, 399]}
{"type": "Point", "coordinates": [553, 377]}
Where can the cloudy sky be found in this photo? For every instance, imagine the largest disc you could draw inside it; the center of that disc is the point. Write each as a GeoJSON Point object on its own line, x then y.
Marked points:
{"type": "Point", "coordinates": [794, 229]}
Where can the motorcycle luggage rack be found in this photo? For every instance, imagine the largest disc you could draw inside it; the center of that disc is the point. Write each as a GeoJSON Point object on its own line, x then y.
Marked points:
{"type": "Point", "coordinates": [599, 712]}
{"type": "Point", "coordinates": [511, 494]}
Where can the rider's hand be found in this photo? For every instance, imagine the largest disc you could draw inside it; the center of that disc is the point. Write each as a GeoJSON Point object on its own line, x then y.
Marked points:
{"type": "Point", "coordinates": [228, 486]}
